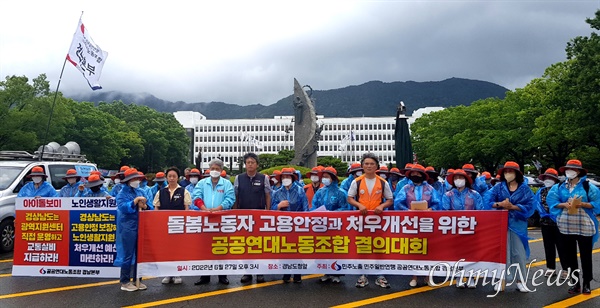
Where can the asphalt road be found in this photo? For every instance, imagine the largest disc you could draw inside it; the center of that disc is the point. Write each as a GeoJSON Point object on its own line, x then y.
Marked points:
{"type": "Point", "coordinates": [79, 292]}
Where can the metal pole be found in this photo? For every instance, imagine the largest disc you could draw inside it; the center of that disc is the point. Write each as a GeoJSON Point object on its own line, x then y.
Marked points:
{"type": "Point", "coordinates": [52, 110]}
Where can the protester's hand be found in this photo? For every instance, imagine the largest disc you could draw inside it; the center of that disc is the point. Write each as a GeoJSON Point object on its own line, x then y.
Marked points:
{"type": "Point", "coordinates": [138, 200]}
{"type": "Point", "coordinates": [379, 209]}
{"type": "Point", "coordinates": [283, 204]}
{"type": "Point", "coordinates": [37, 197]}
{"type": "Point", "coordinates": [363, 209]}
{"type": "Point", "coordinates": [108, 197]}
{"type": "Point", "coordinates": [81, 187]}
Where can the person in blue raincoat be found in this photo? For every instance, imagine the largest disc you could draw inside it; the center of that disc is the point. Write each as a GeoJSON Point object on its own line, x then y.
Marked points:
{"type": "Point", "coordinates": [93, 188]}
{"type": "Point", "coordinates": [394, 178]}
{"type": "Point", "coordinates": [291, 198]}
{"type": "Point", "coordinates": [403, 181]}
{"type": "Point", "coordinates": [332, 198]}
{"type": "Point", "coordinates": [72, 187]}
{"type": "Point", "coordinates": [160, 181]}
{"type": "Point", "coordinates": [575, 204]}
{"type": "Point", "coordinates": [514, 195]}
{"type": "Point", "coordinates": [38, 187]}
{"type": "Point", "coordinates": [194, 176]}
{"type": "Point", "coordinates": [550, 232]}
{"type": "Point", "coordinates": [479, 183]}
{"type": "Point", "coordinates": [462, 196]}
{"type": "Point", "coordinates": [275, 181]}
{"type": "Point", "coordinates": [130, 201]}
{"type": "Point", "coordinates": [147, 189]}
{"type": "Point", "coordinates": [434, 181]}
{"type": "Point", "coordinates": [416, 190]}
{"type": "Point", "coordinates": [117, 178]}
{"type": "Point", "coordinates": [355, 170]}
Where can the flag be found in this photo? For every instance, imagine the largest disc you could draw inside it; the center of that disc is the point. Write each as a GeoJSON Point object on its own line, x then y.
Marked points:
{"type": "Point", "coordinates": [87, 57]}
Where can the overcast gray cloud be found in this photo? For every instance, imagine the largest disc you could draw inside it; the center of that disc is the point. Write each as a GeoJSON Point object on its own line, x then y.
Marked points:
{"type": "Point", "coordinates": [248, 52]}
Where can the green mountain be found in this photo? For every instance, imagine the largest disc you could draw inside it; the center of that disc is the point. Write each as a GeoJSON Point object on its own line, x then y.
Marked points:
{"type": "Point", "coordinates": [374, 98]}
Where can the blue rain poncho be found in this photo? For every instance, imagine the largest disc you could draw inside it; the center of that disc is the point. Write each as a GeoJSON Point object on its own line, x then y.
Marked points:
{"type": "Point", "coordinates": [69, 191]}
{"type": "Point", "coordinates": [127, 225]}
{"type": "Point", "coordinates": [45, 190]}
{"type": "Point", "coordinates": [296, 197]}
{"type": "Point", "coordinates": [468, 199]}
{"type": "Point", "coordinates": [411, 192]}
{"type": "Point", "coordinates": [332, 197]}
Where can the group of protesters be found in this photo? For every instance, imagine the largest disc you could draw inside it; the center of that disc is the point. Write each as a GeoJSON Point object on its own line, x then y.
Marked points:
{"type": "Point", "coordinates": [567, 208]}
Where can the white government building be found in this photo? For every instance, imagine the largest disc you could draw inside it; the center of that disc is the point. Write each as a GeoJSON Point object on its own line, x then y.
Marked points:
{"type": "Point", "coordinates": [344, 138]}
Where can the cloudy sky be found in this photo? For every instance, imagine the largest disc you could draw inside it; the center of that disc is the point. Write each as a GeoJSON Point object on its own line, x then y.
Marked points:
{"type": "Point", "coordinates": [248, 52]}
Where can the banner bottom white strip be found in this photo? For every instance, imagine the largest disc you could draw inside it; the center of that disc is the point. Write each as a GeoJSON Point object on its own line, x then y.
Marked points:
{"type": "Point", "coordinates": [66, 271]}
{"type": "Point", "coordinates": [320, 266]}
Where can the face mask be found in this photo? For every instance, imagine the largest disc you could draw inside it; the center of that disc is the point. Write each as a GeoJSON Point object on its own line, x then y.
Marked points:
{"type": "Point", "coordinates": [194, 181]}
{"type": "Point", "coordinates": [416, 179]}
{"type": "Point", "coordinates": [95, 189]}
{"type": "Point", "coordinates": [117, 181]}
{"type": "Point", "coordinates": [72, 181]}
{"type": "Point", "coordinates": [394, 178]}
{"type": "Point", "coordinates": [134, 184]}
{"type": "Point", "coordinates": [286, 182]}
{"type": "Point", "coordinates": [549, 183]}
{"type": "Point", "coordinates": [460, 183]}
{"type": "Point", "coordinates": [36, 179]}
{"type": "Point", "coordinates": [571, 174]}
{"type": "Point", "coordinates": [275, 181]}
{"type": "Point", "coordinates": [215, 173]}
{"type": "Point", "coordinates": [510, 177]}
{"type": "Point", "coordinates": [326, 181]}
{"type": "Point", "coordinates": [358, 173]}
{"type": "Point", "coordinates": [314, 178]}
{"type": "Point", "coordinates": [383, 176]}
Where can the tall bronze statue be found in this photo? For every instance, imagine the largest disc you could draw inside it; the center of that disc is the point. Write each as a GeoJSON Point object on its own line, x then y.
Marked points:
{"type": "Point", "coordinates": [306, 132]}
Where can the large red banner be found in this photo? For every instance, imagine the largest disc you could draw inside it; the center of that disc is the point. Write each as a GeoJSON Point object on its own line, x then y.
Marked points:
{"type": "Point", "coordinates": [183, 243]}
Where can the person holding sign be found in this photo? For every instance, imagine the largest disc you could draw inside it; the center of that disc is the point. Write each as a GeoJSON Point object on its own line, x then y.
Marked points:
{"type": "Point", "coordinates": [575, 204]}
{"type": "Point", "coordinates": [370, 192]}
{"type": "Point", "coordinates": [38, 187]}
{"type": "Point", "coordinates": [73, 181]}
{"type": "Point", "coordinates": [417, 195]}
{"type": "Point", "coordinates": [94, 185]}
{"type": "Point", "coordinates": [513, 194]}
{"type": "Point", "coordinates": [130, 201]}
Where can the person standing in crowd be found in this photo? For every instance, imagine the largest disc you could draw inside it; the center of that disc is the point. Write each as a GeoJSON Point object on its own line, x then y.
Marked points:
{"type": "Point", "coordinates": [462, 197]}
{"type": "Point", "coordinates": [575, 204]}
{"type": "Point", "coordinates": [72, 187]}
{"type": "Point", "coordinates": [312, 188]}
{"type": "Point", "coordinates": [275, 181]}
{"type": "Point", "coordinates": [214, 193]}
{"type": "Point", "coordinates": [514, 195]}
{"type": "Point", "coordinates": [383, 172]}
{"type": "Point", "coordinates": [38, 187]}
{"type": "Point", "coordinates": [447, 185]}
{"type": "Point", "coordinates": [290, 198]}
{"type": "Point", "coordinates": [394, 177]}
{"type": "Point", "coordinates": [193, 177]}
{"type": "Point", "coordinates": [354, 171]}
{"type": "Point", "coordinates": [416, 190]}
{"type": "Point", "coordinates": [172, 197]}
{"type": "Point", "coordinates": [404, 180]}
{"type": "Point", "coordinates": [147, 189]}
{"type": "Point", "coordinates": [252, 192]}
{"type": "Point", "coordinates": [550, 232]}
{"type": "Point", "coordinates": [160, 181]}
{"type": "Point", "coordinates": [332, 198]}
{"type": "Point", "coordinates": [185, 180]}
{"type": "Point", "coordinates": [433, 180]}
{"type": "Point", "coordinates": [370, 192]}
{"type": "Point", "coordinates": [478, 181]}
{"type": "Point", "coordinates": [130, 201]}
{"type": "Point", "coordinates": [117, 179]}
{"type": "Point", "coordinates": [95, 188]}
{"type": "Point", "coordinates": [488, 179]}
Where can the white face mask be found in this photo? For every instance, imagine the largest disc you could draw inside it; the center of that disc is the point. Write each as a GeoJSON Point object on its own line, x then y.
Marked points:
{"type": "Point", "coordinates": [275, 181]}
{"type": "Point", "coordinates": [36, 179]}
{"type": "Point", "coordinates": [358, 173]}
{"type": "Point", "coordinates": [459, 183]}
{"type": "Point", "coordinates": [194, 180]}
{"type": "Point", "coordinates": [215, 173]}
{"type": "Point", "coordinates": [326, 181]}
{"type": "Point", "coordinates": [71, 181]}
{"type": "Point", "coordinates": [286, 182]}
{"type": "Point", "coordinates": [383, 176]}
{"type": "Point", "coordinates": [314, 178]}
{"type": "Point", "coordinates": [117, 181]}
{"type": "Point", "coordinates": [510, 177]}
{"type": "Point", "coordinates": [134, 184]}
{"type": "Point", "coordinates": [549, 183]}
{"type": "Point", "coordinates": [571, 174]}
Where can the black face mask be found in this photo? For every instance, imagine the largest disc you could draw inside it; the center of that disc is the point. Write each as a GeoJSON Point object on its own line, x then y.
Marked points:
{"type": "Point", "coordinates": [95, 188]}
{"type": "Point", "coordinates": [394, 178]}
{"type": "Point", "coordinates": [416, 179]}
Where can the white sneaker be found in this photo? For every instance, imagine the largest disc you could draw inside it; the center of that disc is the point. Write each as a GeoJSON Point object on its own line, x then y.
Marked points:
{"type": "Point", "coordinates": [166, 280]}
{"type": "Point", "coordinates": [129, 287]}
{"type": "Point", "coordinates": [362, 281]}
{"type": "Point", "coordinates": [325, 278]}
{"type": "Point", "coordinates": [413, 283]}
{"type": "Point", "coordinates": [335, 279]}
{"type": "Point", "coordinates": [177, 280]}
{"type": "Point", "coordinates": [522, 287]}
{"type": "Point", "coordinates": [142, 287]}
{"type": "Point", "coordinates": [499, 286]}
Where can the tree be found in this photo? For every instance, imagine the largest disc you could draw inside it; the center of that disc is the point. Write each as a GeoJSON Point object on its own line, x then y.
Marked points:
{"type": "Point", "coordinates": [340, 166]}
